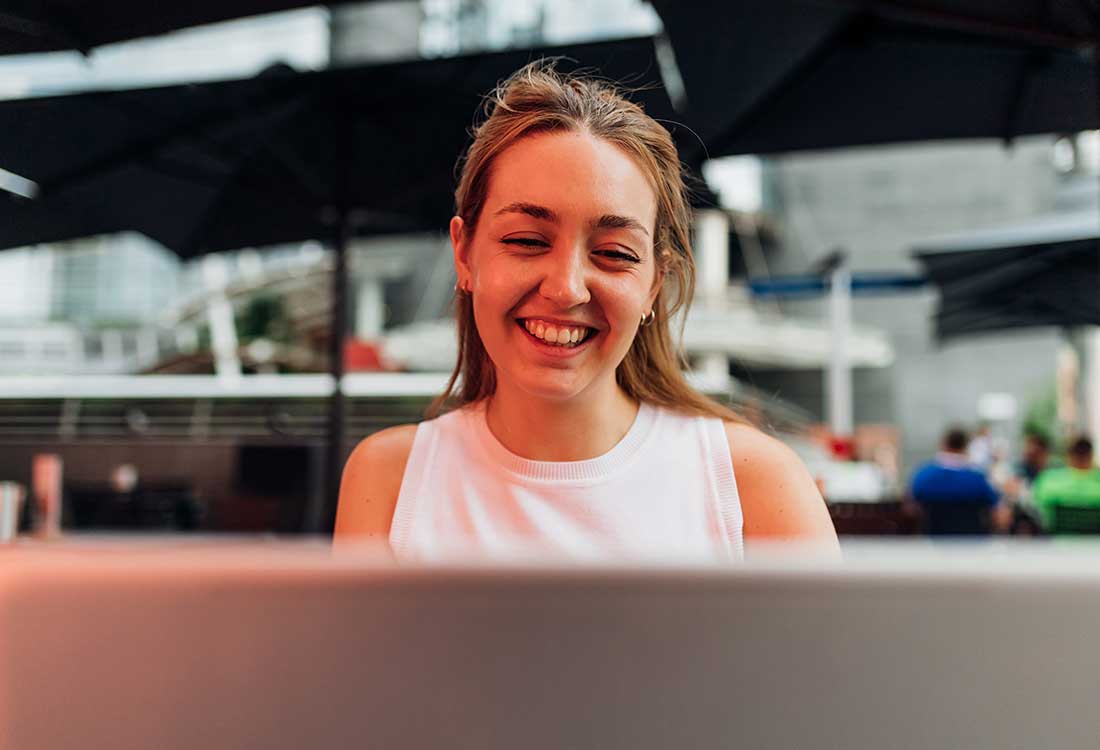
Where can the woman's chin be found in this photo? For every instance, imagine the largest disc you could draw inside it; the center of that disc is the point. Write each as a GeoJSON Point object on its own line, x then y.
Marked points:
{"type": "Point", "coordinates": [551, 392]}
{"type": "Point", "coordinates": [553, 386]}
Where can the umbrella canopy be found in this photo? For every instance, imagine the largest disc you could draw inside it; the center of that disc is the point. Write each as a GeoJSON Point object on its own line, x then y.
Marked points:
{"type": "Point", "coordinates": [1043, 273]}
{"type": "Point", "coordinates": [809, 74]}
{"type": "Point", "coordinates": [50, 25]}
{"type": "Point", "coordinates": [276, 158]}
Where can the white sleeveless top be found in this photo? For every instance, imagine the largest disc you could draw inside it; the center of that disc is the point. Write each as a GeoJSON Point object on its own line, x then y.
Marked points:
{"type": "Point", "coordinates": [665, 491]}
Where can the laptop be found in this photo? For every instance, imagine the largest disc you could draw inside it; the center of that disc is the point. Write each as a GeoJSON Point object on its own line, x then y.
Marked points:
{"type": "Point", "coordinates": [201, 644]}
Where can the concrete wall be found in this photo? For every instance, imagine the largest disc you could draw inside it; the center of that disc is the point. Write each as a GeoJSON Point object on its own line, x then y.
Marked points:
{"type": "Point", "coordinates": [876, 203]}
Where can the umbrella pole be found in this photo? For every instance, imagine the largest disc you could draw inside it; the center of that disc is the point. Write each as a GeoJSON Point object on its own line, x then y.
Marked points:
{"type": "Point", "coordinates": [839, 373]}
{"type": "Point", "coordinates": [1090, 362]}
{"type": "Point", "coordinates": [334, 456]}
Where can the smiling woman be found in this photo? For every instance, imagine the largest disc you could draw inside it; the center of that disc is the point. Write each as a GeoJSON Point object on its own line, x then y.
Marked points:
{"type": "Point", "coordinates": [571, 427]}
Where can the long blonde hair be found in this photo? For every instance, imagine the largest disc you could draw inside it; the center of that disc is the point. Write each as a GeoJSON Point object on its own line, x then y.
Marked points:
{"type": "Point", "coordinates": [539, 99]}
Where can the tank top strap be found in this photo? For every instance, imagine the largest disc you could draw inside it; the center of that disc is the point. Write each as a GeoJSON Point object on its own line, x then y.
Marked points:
{"type": "Point", "coordinates": [720, 463]}
{"type": "Point", "coordinates": [421, 458]}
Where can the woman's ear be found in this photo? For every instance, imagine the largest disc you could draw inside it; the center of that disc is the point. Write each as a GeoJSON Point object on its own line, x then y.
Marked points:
{"type": "Point", "coordinates": [658, 283]}
{"type": "Point", "coordinates": [461, 248]}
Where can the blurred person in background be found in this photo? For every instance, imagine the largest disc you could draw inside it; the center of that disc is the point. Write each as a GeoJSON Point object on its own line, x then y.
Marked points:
{"type": "Point", "coordinates": [1017, 490]}
{"type": "Point", "coordinates": [571, 427]}
{"type": "Point", "coordinates": [954, 495]}
{"type": "Point", "coordinates": [1035, 457]}
{"type": "Point", "coordinates": [1075, 485]}
{"type": "Point", "coordinates": [980, 450]}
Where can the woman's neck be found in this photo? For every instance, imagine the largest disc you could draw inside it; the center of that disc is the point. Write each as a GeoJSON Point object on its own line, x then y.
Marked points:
{"type": "Point", "coordinates": [581, 428]}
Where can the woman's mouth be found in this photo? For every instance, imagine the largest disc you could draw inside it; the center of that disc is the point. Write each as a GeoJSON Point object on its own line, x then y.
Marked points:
{"type": "Point", "coordinates": [555, 335]}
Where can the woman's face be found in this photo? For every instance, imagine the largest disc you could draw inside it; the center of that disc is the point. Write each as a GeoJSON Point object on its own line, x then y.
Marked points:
{"type": "Point", "coordinates": [561, 265]}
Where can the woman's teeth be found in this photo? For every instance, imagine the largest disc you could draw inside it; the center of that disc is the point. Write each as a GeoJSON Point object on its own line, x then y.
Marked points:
{"type": "Point", "coordinates": [558, 335]}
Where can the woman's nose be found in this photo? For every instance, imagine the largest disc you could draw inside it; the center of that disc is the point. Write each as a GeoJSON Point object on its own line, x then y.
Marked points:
{"type": "Point", "coordinates": [565, 283]}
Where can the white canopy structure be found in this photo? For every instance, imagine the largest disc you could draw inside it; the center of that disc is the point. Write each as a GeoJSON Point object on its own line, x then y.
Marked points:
{"type": "Point", "coordinates": [741, 334]}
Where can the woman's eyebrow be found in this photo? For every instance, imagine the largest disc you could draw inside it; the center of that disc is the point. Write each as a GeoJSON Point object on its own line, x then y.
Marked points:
{"type": "Point", "coordinates": [607, 221]}
{"type": "Point", "coordinates": [531, 209]}
{"type": "Point", "coordinates": [614, 221]}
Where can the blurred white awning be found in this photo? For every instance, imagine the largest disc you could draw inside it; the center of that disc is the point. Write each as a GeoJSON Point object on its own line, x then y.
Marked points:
{"type": "Point", "coordinates": [741, 334]}
{"type": "Point", "coordinates": [781, 342]}
{"type": "Point", "coordinates": [1047, 229]}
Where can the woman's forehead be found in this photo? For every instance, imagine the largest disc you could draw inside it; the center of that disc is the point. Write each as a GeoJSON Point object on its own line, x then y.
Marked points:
{"type": "Point", "coordinates": [573, 175]}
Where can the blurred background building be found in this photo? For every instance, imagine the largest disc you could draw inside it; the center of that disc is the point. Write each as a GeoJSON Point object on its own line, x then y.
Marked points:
{"type": "Point", "coordinates": [876, 204]}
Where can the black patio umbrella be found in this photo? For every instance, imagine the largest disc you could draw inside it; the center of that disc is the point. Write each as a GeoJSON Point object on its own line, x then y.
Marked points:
{"type": "Point", "coordinates": [788, 75]}
{"type": "Point", "coordinates": [282, 157]}
{"type": "Point", "coordinates": [275, 158]}
{"type": "Point", "coordinates": [1044, 273]}
{"type": "Point", "coordinates": [51, 25]}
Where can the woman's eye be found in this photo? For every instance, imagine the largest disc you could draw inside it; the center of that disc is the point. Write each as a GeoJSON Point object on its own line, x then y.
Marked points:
{"type": "Point", "coordinates": [619, 255]}
{"type": "Point", "coordinates": [525, 242]}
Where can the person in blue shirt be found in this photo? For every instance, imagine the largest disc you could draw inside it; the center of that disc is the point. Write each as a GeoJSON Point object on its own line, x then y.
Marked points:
{"type": "Point", "coordinates": [955, 496]}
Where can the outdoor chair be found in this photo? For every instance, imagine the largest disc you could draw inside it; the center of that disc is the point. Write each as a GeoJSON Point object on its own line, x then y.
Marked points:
{"type": "Point", "coordinates": [1068, 519]}
{"type": "Point", "coordinates": [957, 519]}
{"type": "Point", "coordinates": [169, 506]}
{"type": "Point", "coordinates": [874, 519]}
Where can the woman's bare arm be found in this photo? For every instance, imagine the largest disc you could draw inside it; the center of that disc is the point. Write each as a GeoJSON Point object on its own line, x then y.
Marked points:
{"type": "Point", "coordinates": [371, 483]}
{"type": "Point", "coordinates": [779, 499]}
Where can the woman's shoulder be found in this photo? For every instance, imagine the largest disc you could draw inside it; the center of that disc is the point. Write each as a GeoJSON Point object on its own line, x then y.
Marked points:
{"type": "Point", "coordinates": [386, 445]}
{"type": "Point", "coordinates": [394, 444]}
{"type": "Point", "coordinates": [372, 481]}
{"type": "Point", "coordinates": [750, 444]}
{"type": "Point", "coordinates": [778, 496]}
{"type": "Point", "coordinates": [382, 456]}
{"type": "Point", "coordinates": [759, 457]}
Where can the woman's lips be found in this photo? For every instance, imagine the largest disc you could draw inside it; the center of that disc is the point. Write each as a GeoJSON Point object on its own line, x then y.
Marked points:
{"type": "Point", "coordinates": [557, 350]}
{"type": "Point", "coordinates": [556, 331]}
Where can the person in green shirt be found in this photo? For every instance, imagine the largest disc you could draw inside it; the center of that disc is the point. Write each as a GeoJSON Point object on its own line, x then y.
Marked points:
{"type": "Point", "coordinates": [1076, 485]}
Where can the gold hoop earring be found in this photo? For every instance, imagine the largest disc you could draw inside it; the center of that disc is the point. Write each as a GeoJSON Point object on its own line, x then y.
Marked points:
{"type": "Point", "coordinates": [648, 317]}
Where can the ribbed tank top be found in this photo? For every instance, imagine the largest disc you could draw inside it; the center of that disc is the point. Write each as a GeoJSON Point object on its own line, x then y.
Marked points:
{"type": "Point", "coordinates": [665, 491]}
